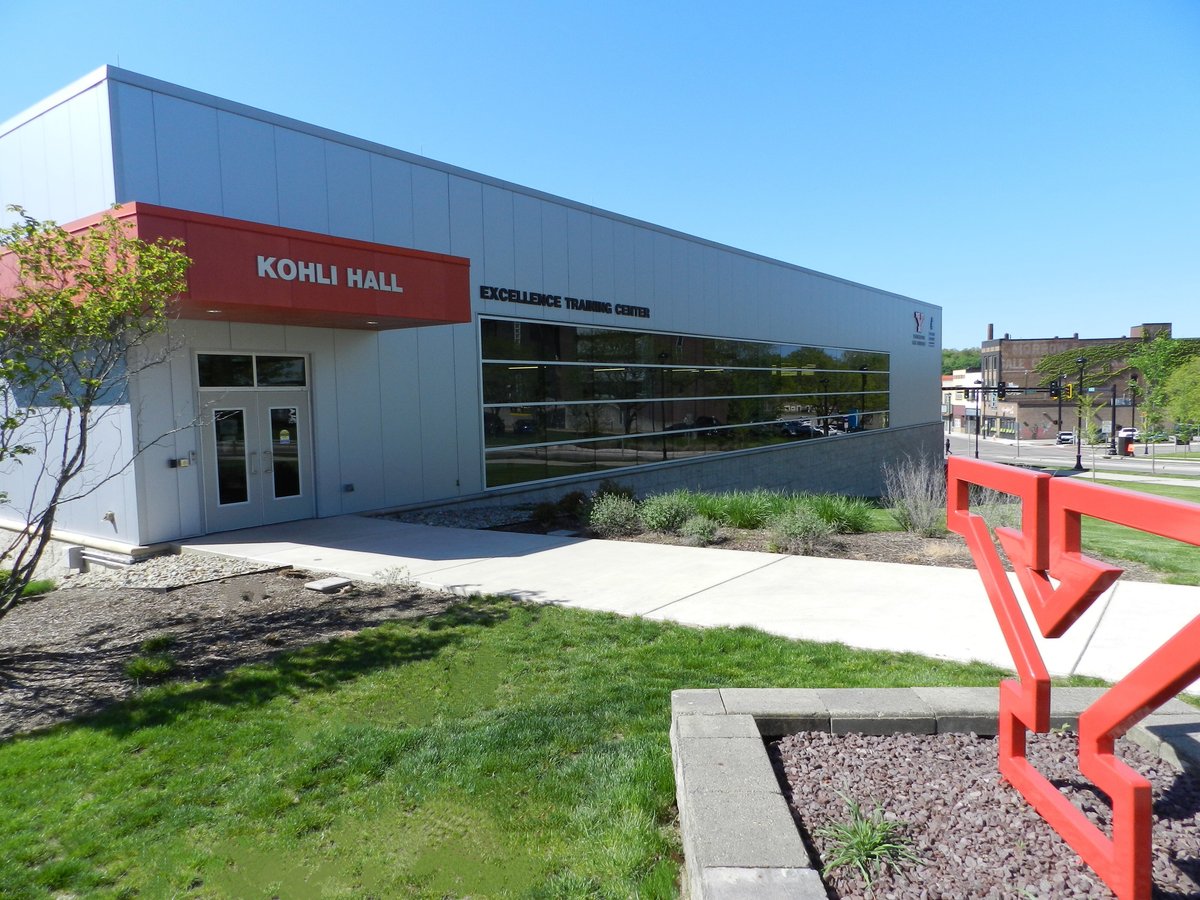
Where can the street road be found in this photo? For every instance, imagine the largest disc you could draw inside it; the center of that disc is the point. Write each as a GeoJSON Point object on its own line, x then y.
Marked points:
{"type": "Point", "coordinates": [1062, 456]}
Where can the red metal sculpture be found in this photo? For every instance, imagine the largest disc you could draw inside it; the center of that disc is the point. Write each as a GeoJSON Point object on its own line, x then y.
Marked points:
{"type": "Point", "coordinates": [1047, 547]}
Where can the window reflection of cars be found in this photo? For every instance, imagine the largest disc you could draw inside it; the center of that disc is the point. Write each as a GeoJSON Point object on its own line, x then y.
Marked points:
{"type": "Point", "coordinates": [800, 430]}
{"type": "Point", "coordinates": [492, 423]}
{"type": "Point", "coordinates": [524, 426]}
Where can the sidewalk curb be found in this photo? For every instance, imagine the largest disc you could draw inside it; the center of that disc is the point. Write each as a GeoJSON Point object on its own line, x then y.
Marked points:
{"type": "Point", "coordinates": [739, 840]}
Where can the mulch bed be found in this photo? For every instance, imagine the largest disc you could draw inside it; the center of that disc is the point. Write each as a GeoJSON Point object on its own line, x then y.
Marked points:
{"type": "Point", "coordinates": [64, 654]}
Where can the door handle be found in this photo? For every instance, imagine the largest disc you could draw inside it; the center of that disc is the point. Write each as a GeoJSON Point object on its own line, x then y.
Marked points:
{"type": "Point", "coordinates": [253, 462]}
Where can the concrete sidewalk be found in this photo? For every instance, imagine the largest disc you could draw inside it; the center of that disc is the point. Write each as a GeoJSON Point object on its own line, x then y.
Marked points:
{"type": "Point", "coordinates": [939, 612]}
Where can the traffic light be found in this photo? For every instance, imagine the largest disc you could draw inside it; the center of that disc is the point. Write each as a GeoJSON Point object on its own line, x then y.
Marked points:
{"type": "Point", "coordinates": [1055, 390]}
{"type": "Point", "coordinates": [1001, 391]}
{"type": "Point", "coordinates": [1070, 394]}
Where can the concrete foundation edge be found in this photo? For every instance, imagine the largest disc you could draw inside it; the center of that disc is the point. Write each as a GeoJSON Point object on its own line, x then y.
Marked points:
{"type": "Point", "coordinates": [739, 841]}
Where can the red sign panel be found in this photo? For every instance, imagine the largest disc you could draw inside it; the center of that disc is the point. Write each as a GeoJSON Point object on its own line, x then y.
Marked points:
{"type": "Point", "coordinates": [248, 272]}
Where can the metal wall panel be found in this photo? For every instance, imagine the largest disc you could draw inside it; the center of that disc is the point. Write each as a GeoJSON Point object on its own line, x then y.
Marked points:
{"type": "Point", "coordinates": [431, 210]}
{"type": "Point", "coordinates": [467, 404]}
{"type": "Point", "coordinates": [248, 181]}
{"type": "Point", "coordinates": [527, 253]}
{"type": "Point", "coordinates": [554, 276]}
{"type": "Point", "coordinates": [440, 421]}
{"type": "Point", "coordinates": [91, 150]}
{"type": "Point", "coordinates": [400, 416]}
{"type": "Point", "coordinates": [303, 194]}
{"type": "Point", "coordinates": [36, 195]}
{"type": "Point", "coordinates": [578, 283]}
{"type": "Point", "coordinates": [135, 159]}
{"type": "Point", "coordinates": [360, 437]}
{"type": "Point", "coordinates": [498, 261]}
{"type": "Point", "coordinates": [348, 174]}
{"type": "Point", "coordinates": [466, 219]}
{"type": "Point", "coordinates": [603, 263]}
{"type": "Point", "coordinates": [391, 201]}
{"type": "Point", "coordinates": [189, 156]}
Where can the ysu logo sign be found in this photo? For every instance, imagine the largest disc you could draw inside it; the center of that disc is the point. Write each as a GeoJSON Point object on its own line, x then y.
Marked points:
{"type": "Point", "coordinates": [919, 319]}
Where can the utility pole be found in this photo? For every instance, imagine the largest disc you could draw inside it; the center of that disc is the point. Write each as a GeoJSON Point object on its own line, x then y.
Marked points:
{"type": "Point", "coordinates": [1079, 418]}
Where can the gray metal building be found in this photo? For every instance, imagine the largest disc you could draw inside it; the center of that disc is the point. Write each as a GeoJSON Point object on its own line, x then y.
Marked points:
{"type": "Point", "coordinates": [581, 344]}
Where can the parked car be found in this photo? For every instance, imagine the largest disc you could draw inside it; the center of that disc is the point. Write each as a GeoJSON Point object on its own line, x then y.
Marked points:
{"type": "Point", "coordinates": [800, 430]}
{"type": "Point", "coordinates": [1065, 437]}
{"type": "Point", "coordinates": [1129, 433]}
{"type": "Point", "coordinates": [492, 423]}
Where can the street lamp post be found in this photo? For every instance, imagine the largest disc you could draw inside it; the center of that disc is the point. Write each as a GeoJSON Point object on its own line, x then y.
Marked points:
{"type": "Point", "coordinates": [1133, 399]}
{"type": "Point", "coordinates": [1112, 426]}
{"type": "Point", "coordinates": [1061, 379]}
{"type": "Point", "coordinates": [1079, 418]}
{"type": "Point", "coordinates": [978, 410]}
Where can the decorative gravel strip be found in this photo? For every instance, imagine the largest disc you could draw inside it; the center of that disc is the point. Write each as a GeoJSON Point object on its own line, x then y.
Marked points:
{"type": "Point", "coordinates": [976, 836]}
{"type": "Point", "coordinates": [479, 517]}
{"type": "Point", "coordinates": [164, 573]}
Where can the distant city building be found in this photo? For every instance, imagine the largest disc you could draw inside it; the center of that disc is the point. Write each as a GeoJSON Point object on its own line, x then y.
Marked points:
{"type": "Point", "coordinates": [1025, 407]}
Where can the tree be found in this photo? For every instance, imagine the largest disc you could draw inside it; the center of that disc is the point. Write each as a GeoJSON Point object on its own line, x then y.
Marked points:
{"type": "Point", "coordinates": [1156, 359]}
{"type": "Point", "coordinates": [1183, 393]}
{"type": "Point", "coordinates": [78, 313]}
{"type": "Point", "coordinates": [968, 358]}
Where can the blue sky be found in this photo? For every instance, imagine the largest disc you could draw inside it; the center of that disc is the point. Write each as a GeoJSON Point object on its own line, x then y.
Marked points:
{"type": "Point", "coordinates": [1031, 164]}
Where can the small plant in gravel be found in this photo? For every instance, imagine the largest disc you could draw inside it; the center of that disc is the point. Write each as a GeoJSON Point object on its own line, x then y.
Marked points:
{"type": "Point", "coordinates": [614, 515]}
{"type": "Point", "coordinates": [868, 843]}
{"type": "Point", "coordinates": [394, 576]}
{"type": "Point", "coordinates": [154, 662]}
{"type": "Point", "coordinates": [799, 530]}
{"type": "Point", "coordinates": [916, 491]}
{"type": "Point", "coordinates": [699, 530]}
{"type": "Point", "coordinates": [667, 512]}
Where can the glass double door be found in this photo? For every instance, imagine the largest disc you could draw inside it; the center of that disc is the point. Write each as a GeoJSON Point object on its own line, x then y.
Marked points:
{"type": "Point", "coordinates": [257, 458]}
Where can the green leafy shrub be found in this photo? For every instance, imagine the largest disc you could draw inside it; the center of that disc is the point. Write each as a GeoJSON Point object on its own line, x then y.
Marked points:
{"type": "Point", "coordinates": [667, 512]}
{"type": "Point", "coordinates": [610, 488]}
{"type": "Point", "coordinates": [699, 530]}
{"type": "Point", "coordinates": [614, 515]}
{"type": "Point", "coordinates": [800, 530]}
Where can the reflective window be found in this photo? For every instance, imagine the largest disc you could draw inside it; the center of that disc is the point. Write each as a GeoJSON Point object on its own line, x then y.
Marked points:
{"type": "Point", "coordinates": [561, 399]}
{"type": "Point", "coordinates": [238, 370]}
{"type": "Point", "coordinates": [225, 370]}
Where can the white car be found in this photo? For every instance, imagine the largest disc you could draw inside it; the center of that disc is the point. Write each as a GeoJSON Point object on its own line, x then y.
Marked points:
{"type": "Point", "coordinates": [1065, 437]}
{"type": "Point", "coordinates": [1129, 433]}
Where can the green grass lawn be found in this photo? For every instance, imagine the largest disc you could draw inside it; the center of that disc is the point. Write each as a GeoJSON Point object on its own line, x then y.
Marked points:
{"type": "Point", "coordinates": [500, 749]}
{"type": "Point", "coordinates": [1179, 563]}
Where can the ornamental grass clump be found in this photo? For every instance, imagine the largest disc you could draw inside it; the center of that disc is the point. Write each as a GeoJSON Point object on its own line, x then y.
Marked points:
{"type": "Point", "coordinates": [667, 512]}
{"type": "Point", "coordinates": [847, 515]}
{"type": "Point", "coordinates": [868, 843]}
{"type": "Point", "coordinates": [741, 509]}
{"type": "Point", "coordinates": [915, 489]}
{"type": "Point", "coordinates": [614, 515]}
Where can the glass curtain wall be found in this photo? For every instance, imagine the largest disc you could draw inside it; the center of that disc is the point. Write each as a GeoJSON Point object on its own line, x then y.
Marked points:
{"type": "Point", "coordinates": [567, 400]}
